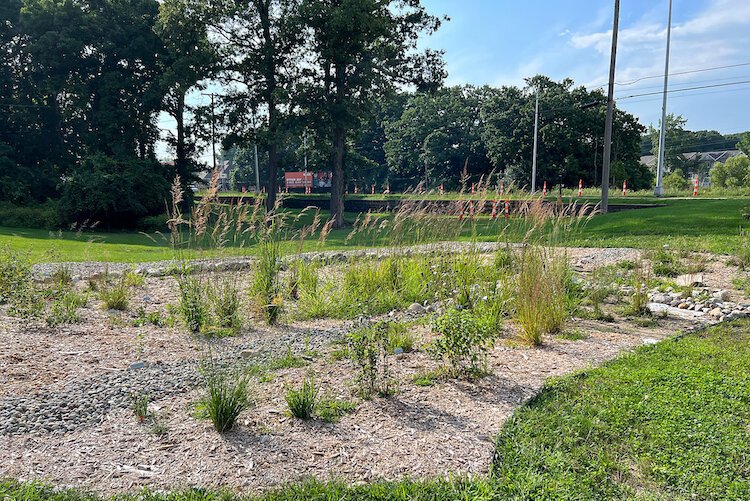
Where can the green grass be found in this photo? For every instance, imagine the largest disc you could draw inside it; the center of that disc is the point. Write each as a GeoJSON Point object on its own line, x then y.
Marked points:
{"type": "Point", "coordinates": [668, 421]}
{"type": "Point", "coordinates": [697, 224]}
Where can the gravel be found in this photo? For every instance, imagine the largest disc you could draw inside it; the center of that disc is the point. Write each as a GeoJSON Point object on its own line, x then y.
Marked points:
{"type": "Point", "coordinates": [85, 403]}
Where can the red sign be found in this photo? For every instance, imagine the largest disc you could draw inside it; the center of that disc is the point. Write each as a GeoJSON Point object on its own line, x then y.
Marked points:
{"type": "Point", "coordinates": [298, 179]}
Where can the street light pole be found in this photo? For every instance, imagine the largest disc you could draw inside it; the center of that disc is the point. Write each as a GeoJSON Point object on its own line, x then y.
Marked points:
{"type": "Point", "coordinates": [536, 135]}
{"type": "Point", "coordinates": [659, 189]}
{"type": "Point", "coordinates": [610, 113]}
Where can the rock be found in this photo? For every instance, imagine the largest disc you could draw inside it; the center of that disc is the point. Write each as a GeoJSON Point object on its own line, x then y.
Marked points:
{"type": "Point", "coordinates": [683, 306]}
{"type": "Point", "coordinates": [690, 280]}
{"type": "Point", "coordinates": [137, 365]}
{"type": "Point", "coordinates": [716, 313]}
{"type": "Point", "coordinates": [721, 295]}
{"type": "Point", "coordinates": [648, 340]}
{"type": "Point", "coordinates": [416, 308]}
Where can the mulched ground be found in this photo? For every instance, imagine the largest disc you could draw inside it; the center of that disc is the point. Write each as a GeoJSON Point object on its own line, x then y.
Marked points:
{"type": "Point", "coordinates": [89, 436]}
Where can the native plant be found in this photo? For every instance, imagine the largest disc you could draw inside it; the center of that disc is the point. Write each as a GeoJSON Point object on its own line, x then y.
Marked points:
{"type": "Point", "coordinates": [226, 397]}
{"type": "Point", "coordinates": [638, 305]}
{"type": "Point", "coordinates": [64, 309]}
{"type": "Point", "coordinates": [115, 295]}
{"type": "Point", "coordinates": [463, 343]}
{"type": "Point", "coordinates": [368, 349]}
{"type": "Point", "coordinates": [193, 304]}
{"type": "Point", "coordinates": [302, 401]}
{"type": "Point", "coordinates": [17, 285]}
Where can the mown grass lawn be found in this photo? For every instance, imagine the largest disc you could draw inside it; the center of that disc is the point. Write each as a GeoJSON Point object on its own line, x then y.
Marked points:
{"type": "Point", "coordinates": [711, 225]}
{"type": "Point", "coordinates": [670, 421]}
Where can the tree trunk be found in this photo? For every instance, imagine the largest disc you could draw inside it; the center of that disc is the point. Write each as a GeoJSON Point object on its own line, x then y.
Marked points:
{"type": "Point", "coordinates": [337, 182]}
{"type": "Point", "coordinates": [269, 72]}
{"type": "Point", "coordinates": [182, 162]}
{"type": "Point", "coordinates": [339, 133]}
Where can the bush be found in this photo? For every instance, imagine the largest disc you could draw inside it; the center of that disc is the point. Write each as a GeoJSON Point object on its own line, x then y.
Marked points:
{"type": "Point", "coordinates": [42, 216]}
{"type": "Point", "coordinates": [224, 298]}
{"type": "Point", "coordinates": [17, 286]}
{"type": "Point", "coordinates": [302, 402]}
{"type": "Point", "coordinates": [226, 398]}
{"type": "Point", "coordinates": [676, 181]}
{"type": "Point", "coordinates": [114, 191]}
{"type": "Point", "coordinates": [463, 343]}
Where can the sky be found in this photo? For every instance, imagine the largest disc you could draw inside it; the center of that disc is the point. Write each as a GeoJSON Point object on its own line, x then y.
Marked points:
{"type": "Point", "coordinates": [501, 42]}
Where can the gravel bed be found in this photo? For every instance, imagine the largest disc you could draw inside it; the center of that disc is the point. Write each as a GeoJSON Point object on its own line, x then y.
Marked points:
{"type": "Point", "coordinates": [84, 403]}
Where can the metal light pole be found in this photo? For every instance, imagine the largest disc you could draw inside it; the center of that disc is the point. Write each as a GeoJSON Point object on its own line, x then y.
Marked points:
{"type": "Point", "coordinates": [536, 134]}
{"type": "Point", "coordinates": [659, 189]}
{"type": "Point", "coordinates": [610, 112]}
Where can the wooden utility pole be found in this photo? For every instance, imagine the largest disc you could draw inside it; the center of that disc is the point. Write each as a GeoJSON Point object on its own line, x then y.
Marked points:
{"type": "Point", "coordinates": [610, 112]}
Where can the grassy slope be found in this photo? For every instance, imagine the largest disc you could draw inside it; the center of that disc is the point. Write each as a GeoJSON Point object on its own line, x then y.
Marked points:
{"type": "Point", "coordinates": [703, 224]}
{"type": "Point", "coordinates": [669, 421]}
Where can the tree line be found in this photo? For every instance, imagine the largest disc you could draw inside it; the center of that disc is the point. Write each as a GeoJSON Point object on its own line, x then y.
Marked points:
{"type": "Point", "coordinates": [84, 82]}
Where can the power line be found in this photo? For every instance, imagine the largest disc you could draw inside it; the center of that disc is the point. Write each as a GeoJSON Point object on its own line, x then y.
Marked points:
{"type": "Point", "coordinates": [682, 73]}
{"type": "Point", "coordinates": [685, 89]}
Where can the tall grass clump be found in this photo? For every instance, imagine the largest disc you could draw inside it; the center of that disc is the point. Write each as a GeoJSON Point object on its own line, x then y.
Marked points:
{"type": "Point", "coordinates": [193, 303]}
{"type": "Point", "coordinates": [266, 286]}
{"type": "Point", "coordinates": [226, 397]}
{"type": "Point", "coordinates": [224, 299]}
{"type": "Point", "coordinates": [115, 295]}
{"type": "Point", "coordinates": [64, 309]}
{"type": "Point", "coordinates": [302, 401]}
{"type": "Point", "coordinates": [638, 304]}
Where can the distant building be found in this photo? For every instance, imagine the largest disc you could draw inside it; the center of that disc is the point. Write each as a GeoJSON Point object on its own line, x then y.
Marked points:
{"type": "Point", "coordinates": [225, 168]}
{"type": "Point", "coordinates": [698, 162]}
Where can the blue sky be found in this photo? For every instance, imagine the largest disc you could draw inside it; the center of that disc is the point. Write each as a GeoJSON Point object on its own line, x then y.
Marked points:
{"type": "Point", "coordinates": [499, 42]}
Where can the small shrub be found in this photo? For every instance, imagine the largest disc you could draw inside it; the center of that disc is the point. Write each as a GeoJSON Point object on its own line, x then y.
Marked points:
{"type": "Point", "coordinates": [368, 348]}
{"type": "Point", "coordinates": [226, 398]}
{"type": "Point", "coordinates": [64, 309]}
{"type": "Point", "coordinates": [193, 307]}
{"type": "Point", "coordinates": [115, 296]}
{"type": "Point", "coordinates": [301, 402]}
{"type": "Point", "coordinates": [331, 410]}
{"type": "Point", "coordinates": [463, 343]}
{"type": "Point", "coordinates": [429, 378]}
{"type": "Point", "coordinates": [17, 285]}
{"type": "Point", "coordinates": [400, 336]}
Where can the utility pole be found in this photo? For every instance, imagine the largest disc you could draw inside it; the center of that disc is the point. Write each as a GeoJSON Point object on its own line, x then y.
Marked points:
{"type": "Point", "coordinates": [610, 112]}
{"type": "Point", "coordinates": [659, 189]}
{"type": "Point", "coordinates": [536, 135]}
{"type": "Point", "coordinates": [304, 147]}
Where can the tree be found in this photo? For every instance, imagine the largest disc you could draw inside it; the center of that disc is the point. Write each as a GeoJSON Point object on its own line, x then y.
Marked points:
{"type": "Point", "coordinates": [437, 136]}
{"type": "Point", "coordinates": [361, 49]}
{"type": "Point", "coordinates": [744, 144]}
{"type": "Point", "coordinates": [735, 172]}
{"type": "Point", "coordinates": [262, 47]}
{"type": "Point", "coordinates": [189, 59]}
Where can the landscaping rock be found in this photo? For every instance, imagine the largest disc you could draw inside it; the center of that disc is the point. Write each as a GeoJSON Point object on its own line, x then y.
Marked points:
{"type": "Point", "coordinates": [690, 280]}
{"type": "Point", "coordinates": [417, 308]}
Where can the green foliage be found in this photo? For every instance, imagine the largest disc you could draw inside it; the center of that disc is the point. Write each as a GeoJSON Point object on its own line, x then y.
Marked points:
{"type": "Point", "coordinates": [368, 349]}
{"type": "Point", "coordinates": [638, 305]}
{"type": "Point", "coordinates": [17, 286]}
{"type": "Point", "coordinates": [676, 181]}
{"type": "Point", "coordinates": [115, 295]}
{"type": "Point", "coordinates": [400, 336]}
{"type": "Point", "coordinates": [193, 305]}
{"type": "Point", "coordinates": [742, 253]}
{"type": "Point", "coordinates": [41, 216]}
{"type": "Point", "coordinates": [64, 309]}
{"type": "Point", "coordinates": [140, 406]}
{"type": "Point", "coordinates": [542, 298]}
{"type": "Point", "coordinates": [302, 401]}
{"type": "Point", "coordinates": [133, 279]}
{"type": "Point", "coordinates": [428, 378]}
{"type": "Point", "coordinates": [743, 284]}
{"type": "Point", "coordinates": [227, 397]}
{"type": "Point", "coordinates": [266, 281]}
{"type": "Point", "coordinates": [463, 344]}
{"type": "Point", "coordinates": [287, 361]}
{"type": "Point", "coordinates": [733, 173]}
{"type": "Point", "coordinates": [331, 410]}
{"type": "Point", "coordinates": [224, 298]}
{"type": "Point", "coordinates": [154, 317]}
{"type": "Point", "coordinates": [666, 263]}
